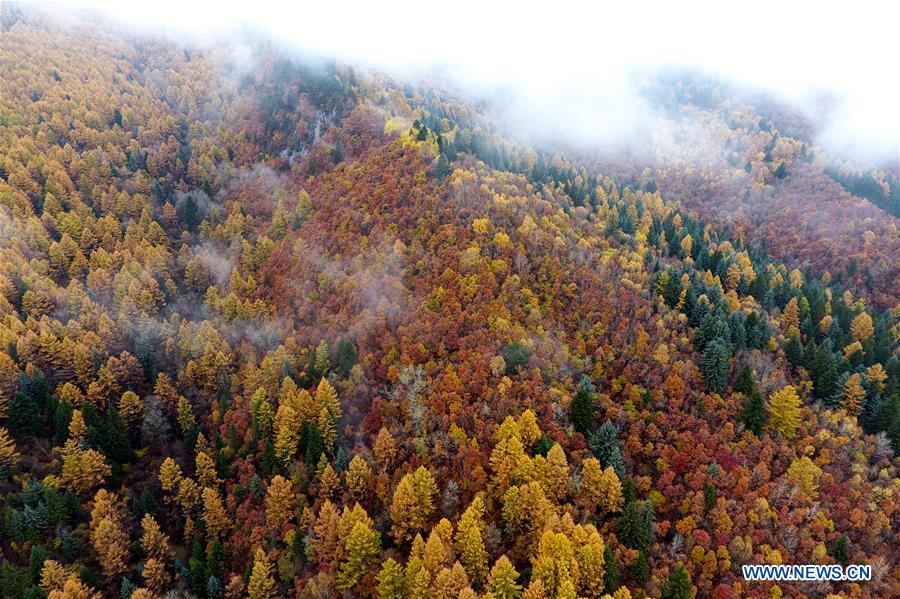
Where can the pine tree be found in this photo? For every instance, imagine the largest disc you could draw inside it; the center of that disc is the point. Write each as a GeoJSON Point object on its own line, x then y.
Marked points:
{"type": "Point", "coordinates": [640, 569]}
{"type": "Point", "coordinates": [610, 571]}
{"type": "Point", "coordinates": [261, 584]}
{"type": "Point", "coordinates": [679, 585]}
{"type": "Point", "coordinates": [744, 382]}
{"type": "Point", "coordinates": [784, 411]}
{"type": "Point", "coordinates": [582, 409]}
{"type": "Point", "coordinates": [23, 415]}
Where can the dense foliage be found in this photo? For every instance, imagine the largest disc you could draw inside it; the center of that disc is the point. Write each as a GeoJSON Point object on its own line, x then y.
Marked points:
{"type": "Point", "coordinates": [280, 329]}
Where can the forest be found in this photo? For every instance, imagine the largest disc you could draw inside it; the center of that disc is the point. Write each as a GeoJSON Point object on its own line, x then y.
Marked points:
{"type": "Point", "coordinates": [294, 328]}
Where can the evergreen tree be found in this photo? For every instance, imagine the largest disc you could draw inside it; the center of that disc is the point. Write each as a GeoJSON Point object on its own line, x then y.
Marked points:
{"type": "Point", "coordinates": [24, 415]}
{"type": "Point", "coordinates": [841, 550]}
{"type": "Point", "coordinates": [714, 365]}
{"type": "Point", "coordinates": [679, 585]}
{"type": "Point", "coordinates": [582, 408]}
{"type": "Point", "coordinates": [754, 414]}
{"type": "Point", "coordinates": [610, 571]}
{"type": "Point", "coordinates": [640, 569]}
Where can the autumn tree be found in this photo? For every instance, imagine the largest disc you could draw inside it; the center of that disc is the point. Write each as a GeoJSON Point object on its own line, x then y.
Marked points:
{"type": "Point", "coordinates": [470, 544]}
{"type": "Point", "coordinates": [784, 411]}
{"type": "Point", "coordinates": [362, 546]}
{"type": "Point", "coordinates": [279, 502]}
{"type": "Point", "coordinates": [413, 504]}
{"type": "Point", "coordinates": [261, 584]}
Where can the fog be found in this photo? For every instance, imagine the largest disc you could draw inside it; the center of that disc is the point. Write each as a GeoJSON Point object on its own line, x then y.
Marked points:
{"type": "Point", "coordinates": [570, 70]}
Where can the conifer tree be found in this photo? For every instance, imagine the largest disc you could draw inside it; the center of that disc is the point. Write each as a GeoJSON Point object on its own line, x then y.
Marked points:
{"type": "Point", "coordinates": [362, 547]}
{"type": "Point", "coordinates": [279, 503]}
{"type": "Point", "coordinates": [582, 409]}
{"type": "Point", "coordinates": [714, 365]}
{"type": "Point", "coordinates": [679, 585]}
{"type": "Point", "coordinates": [470, 544]}
{"type": "Point", "coordinates": [261, 584]}
{"type": "Point", "coordinates": [754, 414]}
{"type": "Point", "coordinates": [503, 582]}
{"type": "Point", "coordinates": [391, 580]}
{"type": "Point", "coordinates": [9, 457]}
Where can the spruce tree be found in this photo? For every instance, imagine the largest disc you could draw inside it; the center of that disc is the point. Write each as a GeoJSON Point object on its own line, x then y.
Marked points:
{"type": "Point", "coordinates": [679, 584]}
{"type": "Point", "coordinates": [754, 414]}
{"type": "Point", "coordinates": [841, 550]}
{"type": "Point", "coordinates": [610, 571]}
{"type": "Point", "coordinates": [582, 409]}
{"type": "Point", "coordinates": [714, 365]}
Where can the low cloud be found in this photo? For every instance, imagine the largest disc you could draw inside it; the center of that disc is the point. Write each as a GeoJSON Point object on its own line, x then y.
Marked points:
{"type": "Point", "coordinates": [568, 69]}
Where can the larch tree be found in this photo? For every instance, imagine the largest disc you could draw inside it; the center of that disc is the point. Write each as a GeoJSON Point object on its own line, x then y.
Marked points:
{"type": "Point", "coordinates": [391, 580]}
{"type": "Point", "coordinates": [280, 503]}
{"type": "Point", "coordinates": [154, 541]}
{"type": "Point", "coordinates": [413, 504]}
{"type": "Point", "coordinates": [503, 581]}
{"type": "Point", "coordinates": [261, 584]}
{"type": "Point", "coordinates": [358, 476]}
{"type": "Point", "coordinates": [362, 547]}
{"type": "Point", "coordinates": [9, 457]}
{"type": "Point", "coordinates": [470, 543]}
{"type": "Point", "coordinates": [217, 521]}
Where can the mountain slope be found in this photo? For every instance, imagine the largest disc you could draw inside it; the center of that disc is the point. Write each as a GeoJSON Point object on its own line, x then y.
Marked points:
{"type": "Point", "coordinates": [310, 316]}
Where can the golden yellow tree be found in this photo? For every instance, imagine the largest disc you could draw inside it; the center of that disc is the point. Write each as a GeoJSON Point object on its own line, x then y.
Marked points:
{"type": "Point", "coordinates": [261, 584]}
{"type": "Point", "coordinates": [279, 502]}
{"type": "Point", "coordinates": [154, 541]}
{"type": "Point", "coordinates": [358, 476]}
{"type": "Point", "coordinates": [804, 473]}
{"type": "Point", "coordinates": [413, 504]}
{"type": "Point", "coordinates": [169, 475]}
{"type": "Point", "coordinates": [470, 543]}
{"type": "Point", "coordinates": [131, 408]}
{"type": "Point", "coordinates": [217, 522]}
{"type": "Point", "coordinates": [205, 469]}
{"type": "Point", "coordinates": [385, 449]}
{"type": "Point", "coordinates": [108, 536]}
{"type": "Point", "coordinates": [155, 576]}
{"type": "Point", "coordinates": [862, 327]}
{"type": "Point", "coordinates": [853, 394]}
{"type": "Point", "coordinates": [9, 457]}
{"type": "Point", "coordinates": [784, 411]}
{"type": "Point", "coordinates": [503, 582]}
{"type": "Point", "coordinates": [555, 566]}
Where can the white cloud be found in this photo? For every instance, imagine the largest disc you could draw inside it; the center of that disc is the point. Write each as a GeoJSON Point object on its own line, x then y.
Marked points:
{"type": "Point", "coordinates": [565, 65]}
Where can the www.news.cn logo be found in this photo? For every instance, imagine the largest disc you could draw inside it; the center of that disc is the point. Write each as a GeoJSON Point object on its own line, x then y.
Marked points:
{"type": "Point", "coordinates": [807, 572]}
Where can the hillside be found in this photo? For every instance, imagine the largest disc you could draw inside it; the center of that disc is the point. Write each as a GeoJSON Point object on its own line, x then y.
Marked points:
{"type": "Point", "coordinates": [281, 328]}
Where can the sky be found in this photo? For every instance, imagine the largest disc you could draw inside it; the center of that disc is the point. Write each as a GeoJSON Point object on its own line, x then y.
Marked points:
{"type": "Point", "coordinates": [567, 67]}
